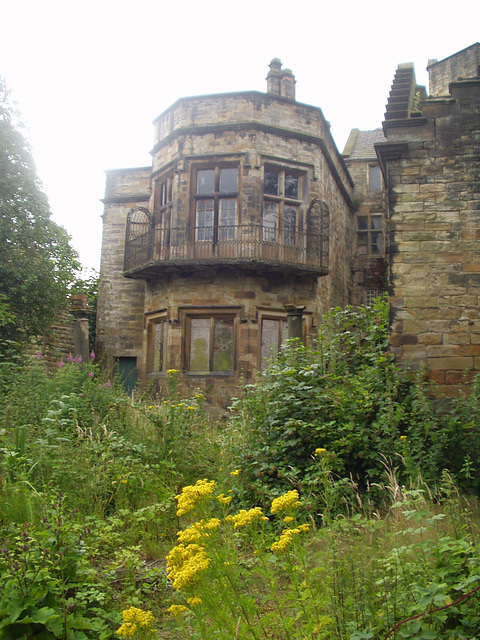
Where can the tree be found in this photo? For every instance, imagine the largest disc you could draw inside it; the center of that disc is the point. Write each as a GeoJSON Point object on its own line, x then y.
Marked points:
{"type": "Point", "coordinates": [37, 263]}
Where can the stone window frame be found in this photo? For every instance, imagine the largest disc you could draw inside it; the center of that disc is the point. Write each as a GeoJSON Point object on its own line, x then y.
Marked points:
{"type": "Point", "coordinates": [370, 231]}
{"type": "Point", "coordinates": [280, 232]}
{"type": "Point", "coordinates": [370, 295]}
{"type": "Point", "coordinates": [375, 179]}
{"type": "Point", "coordinates": [163, 206]}
{"type": "Point", "coordinates": [212, 313]}
{"type": "Point", "coordinates": [152, 323]}
{"type": "Point", "coordinates": [276, 315]}
{"type": "Point", "coordinates": [215, 164]}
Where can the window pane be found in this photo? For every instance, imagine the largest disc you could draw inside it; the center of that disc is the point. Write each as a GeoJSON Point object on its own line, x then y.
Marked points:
{"type": "Point", "coordinates": [270, 221]}
{"type": "Point", "coordinates": [375, 178]}
{"type": "Point", "coordinates": [163, 194]}
{"type": "Point", "coordinates": [290, 225]}
{"type": "Point", "coordinates": [223, 344]}
{"type": "Point", "coordinates": [274, 332]}
{"type": "Point", "coordinates": [271, 183]}
{"type": "Point", "coordinates": [206, 181]}
{"type": "Point", "coordinates": [159, 352]}
{"type": "Point", "coordinates": [362, 243]}
{"type": "Point", "coordinates": [362, 223]}
{"type": "Point", "coordinates": [200, 344]}
{"type": "Point", "coordinates": [375, 222]}
{"type": "Point", "coordinates": [205, 220]}
{"type": "Point", "coordinates": [291, 186]}
{"type": "Point", "coordinates": [228, 180]}
{"type": "Point", "coordinates": [227, 219]}
{"type": "Point", "coordinates": [376, 242]}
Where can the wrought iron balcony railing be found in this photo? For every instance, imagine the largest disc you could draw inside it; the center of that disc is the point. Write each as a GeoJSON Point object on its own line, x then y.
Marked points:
{"type": "Point", "coordinates": [245, 244]}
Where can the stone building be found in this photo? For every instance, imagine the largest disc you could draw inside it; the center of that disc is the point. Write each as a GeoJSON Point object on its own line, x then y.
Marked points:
{"type": "Point", "coordinates": [249, 224]}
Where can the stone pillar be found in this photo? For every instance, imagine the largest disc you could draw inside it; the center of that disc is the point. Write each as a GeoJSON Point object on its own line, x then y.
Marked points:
{"type": "Point", "coordinates": [80, 311]}
{"type": "Point", "coordinates": [295, 321]}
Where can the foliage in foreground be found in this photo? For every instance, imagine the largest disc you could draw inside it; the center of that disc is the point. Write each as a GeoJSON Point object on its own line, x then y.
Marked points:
{"type": "Point", "coordinates": [348, 396]}
{"type": "Point", "coordinates": [322, 542]}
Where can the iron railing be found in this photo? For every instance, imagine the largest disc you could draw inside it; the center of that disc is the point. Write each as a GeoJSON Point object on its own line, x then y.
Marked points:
{"type": "Point", "coordinates": [229, 243]}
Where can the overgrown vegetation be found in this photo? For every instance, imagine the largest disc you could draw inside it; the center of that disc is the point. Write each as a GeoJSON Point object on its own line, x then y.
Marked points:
{"type": "Point", "coordinates": [339, 501]}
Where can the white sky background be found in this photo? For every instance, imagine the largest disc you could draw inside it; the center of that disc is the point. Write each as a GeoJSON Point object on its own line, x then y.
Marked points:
{"type": "Point", "coordinates": [89, 77]}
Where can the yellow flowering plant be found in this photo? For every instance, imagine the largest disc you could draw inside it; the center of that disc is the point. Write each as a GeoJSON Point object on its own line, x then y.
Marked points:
{"type": "Point", "coordinates": [137, 624]}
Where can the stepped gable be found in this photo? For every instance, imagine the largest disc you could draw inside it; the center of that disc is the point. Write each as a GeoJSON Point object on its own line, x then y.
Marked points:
{"type": "Point", "coordinates": [402, 92]}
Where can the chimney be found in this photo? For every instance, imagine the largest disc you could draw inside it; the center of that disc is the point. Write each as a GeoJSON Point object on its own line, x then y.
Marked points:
{"type": "Point", "coordinates": [274, 76]}
{"type": "Point", "coordinates": [287, 84]}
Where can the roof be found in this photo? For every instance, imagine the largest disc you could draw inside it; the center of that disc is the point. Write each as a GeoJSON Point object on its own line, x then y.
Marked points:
{"type": "Point", "coordinates": [360, 144]}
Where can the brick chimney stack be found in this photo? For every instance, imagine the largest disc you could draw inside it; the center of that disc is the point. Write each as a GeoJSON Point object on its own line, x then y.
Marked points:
{"type": "Point", "coordinates": [287, 84]}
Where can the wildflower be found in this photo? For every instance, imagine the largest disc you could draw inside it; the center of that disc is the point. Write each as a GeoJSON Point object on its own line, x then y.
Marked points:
{"type": "Point", "coordinates": [198, 530]}
{"type": "Point", "coordinates": [60, 364]}
{"type": "Point", "coordinates": [193, 494]}
{"type": "Point", "coordinates": [244, 517]}
{"type": "Point", "coordinates": [135, 620]}
{"type": "Point", "coordinates": [185, 563]}
{"type": "Point", "coordinates": [92, 355]}
{"type": "Point", "coordinates": [285, 502]}
{"type": "Point", "coordinates": [288, 519]}
{"type": "Point", "coordinates": [166, 402]}
{"type": "Point", "coordinates": [235, 473]}
{"type": "Point", "coordinates": [38, 355]}
{"type": "Point", "coordinates": [403, 438]}
{"type": "Point", "coordinates": [193, 601]}
{"type": "Point", "coordinates": [224, 499]}
{"type": "Point", "coordinates": [172, 372]}
{"type": "Point", "coordinates": [78, 360]}
{"type": "Point", "coordinates": [91, 374]}
{"type": "Point", "coordinates": [107, 385]}
{"type": "Point", "coordinates": [151, 407]}
{"type": "Point", "coordinates": [69, 358]}
{"type": "Point", "coordinates": [191, 408]}
{"type": "Point", "coordinates": [320, 452]}
{"type": "Point", "coordinates": [286, 537]}
{"type": "Point", "coordinates": [177, 609]}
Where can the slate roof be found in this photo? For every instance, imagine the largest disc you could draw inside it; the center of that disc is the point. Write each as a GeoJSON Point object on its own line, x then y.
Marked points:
{"type": "Point", "coordinates": [360, 144]}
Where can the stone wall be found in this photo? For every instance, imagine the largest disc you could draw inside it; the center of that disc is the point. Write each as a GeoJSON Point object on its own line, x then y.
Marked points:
{"type": "Point", "coordinates": [464, 64]}
{"type": "Point", "coordinates": [432, 166]}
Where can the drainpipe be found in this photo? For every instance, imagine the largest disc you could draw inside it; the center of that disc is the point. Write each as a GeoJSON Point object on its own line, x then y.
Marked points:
{"type": "Point", "coordinates": [295, 321]}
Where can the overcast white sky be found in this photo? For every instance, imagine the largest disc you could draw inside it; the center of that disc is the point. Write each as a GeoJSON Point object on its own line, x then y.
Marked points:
{"type": "Point", "coordinates": [89, 77]}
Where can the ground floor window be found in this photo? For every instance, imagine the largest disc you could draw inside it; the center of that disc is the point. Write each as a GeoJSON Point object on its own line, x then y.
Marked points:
{"type": "Point", "coordinates": [157, 338]}
{"type": "Point", "coordinates": [210, 343]}
{"type": "Point", "coordinates": [274, 332]}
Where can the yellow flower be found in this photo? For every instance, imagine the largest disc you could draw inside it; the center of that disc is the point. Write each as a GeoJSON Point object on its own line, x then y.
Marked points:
{"type": "Point", "coordinates": [191, 408]}
{"type": "Point", "coordinates": [288, 519]}
{"type": "Point", "coordinates": [193, 601]}
{"type": "Point", "coordinates": [151, 406]}
{"type": "Point", "coordinates": [172, 372]}
{"type": "Point", "coordinates": [235, 473]}
{"type": "Point", "coordinates": [244, 517]}
{"type": "Point", "coordinates": [285, 502]}
{"type": "Point", "coordinates": [198, 531]}
{"type": "Point", "coordinates": [320, 452]}
{"type": "Point", "coordinates": [135, 620]}
{"type": "Point", "coordinates": [224, 499]}
{"type": "Point", "coordinates": [177, 609]}
{"type": "Point", "coordinates": [185, 563]}
{"type": "Point", "coordinates": [192, 495]}
{"type": "Point", "coordinates": [286, 537]}
{"type": "Point", "coordinates": [403, 437]}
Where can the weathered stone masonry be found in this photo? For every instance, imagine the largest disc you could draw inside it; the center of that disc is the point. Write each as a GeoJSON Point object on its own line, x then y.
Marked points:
{"type": "Point", "coordinates": [249, 213]}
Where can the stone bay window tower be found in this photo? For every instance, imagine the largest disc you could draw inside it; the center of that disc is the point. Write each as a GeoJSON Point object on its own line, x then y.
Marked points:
{"type": "Point", "coordinates": [243, 220]}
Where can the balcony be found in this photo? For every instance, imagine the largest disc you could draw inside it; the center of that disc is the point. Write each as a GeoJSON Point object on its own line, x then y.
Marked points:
{"type": "Point", "coordinates": [255, 247]}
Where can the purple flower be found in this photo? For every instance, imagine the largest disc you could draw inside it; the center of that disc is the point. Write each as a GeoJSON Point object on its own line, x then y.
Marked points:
{"type": "Point", "coordinates": [38, 355]}
{"type": "Point", "coordinates": [60, 364]}
{"type": "Point", "coordinates": [69, 359]}
{"type": "Point", "coordinates": [107, 385]}
{"type": "Point", "coordinates": [92, 355]}
{"type": "Point", "coordinates": [91, 374]}
{"type": "Point", "coordinates": [78, 359]}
